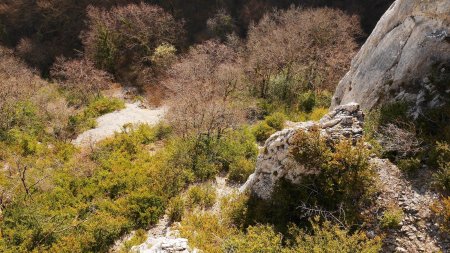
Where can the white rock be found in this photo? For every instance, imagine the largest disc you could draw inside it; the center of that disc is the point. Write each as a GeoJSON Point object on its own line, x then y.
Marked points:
{"type": "Point", "coordinates": [274, 161]}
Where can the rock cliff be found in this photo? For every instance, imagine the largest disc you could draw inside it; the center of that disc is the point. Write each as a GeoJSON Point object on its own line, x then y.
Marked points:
{"type": "Point", "coordinates": [406, 58]}
{"type": "Point", "coordinates": [274, 161]}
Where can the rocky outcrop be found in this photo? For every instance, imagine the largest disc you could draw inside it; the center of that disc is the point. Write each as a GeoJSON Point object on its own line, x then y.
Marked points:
{"type": "Point", "coordinates": [274, 161]}
{"type": "Point", "coordinates": [406, 58]}
{"type": "Point", "coordinates": [170, 243]}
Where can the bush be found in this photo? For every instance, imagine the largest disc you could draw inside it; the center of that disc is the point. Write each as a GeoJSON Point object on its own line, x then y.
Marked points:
{"type": "Point", "coordinates": [307, 101]}
{"type": "Point", "coordinates": [86, 119]}
{"type": "Point", "coordinates": [310, 149]}
{"type": "Point", "coordinates": [203, 196]}
{"type": "Point", "coordinates": [328, 237]}
{"type": "Point", "coordinates": [175, 210]}
{"type": "Point", "coordinates": [312, 47]}
{"type": "Point", "coordinates": [234, 209]}
{"type": "Point", "coordinates": [409, 165]}
{"type": "Point", "coordinates": [262, 131]}
{"type": "Point", "coordinates": [318, 113]}
{"type": "Point", "coordinates": [392, 218]}
{"type": "Point", "coordinates": [442, 176]}
{"type": "Point", "coordinates": [342, 177]}
{"type": "Point", "coordinates": [441, 210]}
{"type": "Point", "coordinates": [80, 78]}
{"type": "Point", "coordinates": [261, 239]}
{"type": "Point", "coordinates": [205, 231]}
{"type": "Point", "coordinates": [276, 120]}
{"type": "Point", "coordinates": [123, 39]}
{"type": "Point", "coordinates": [145, 208]}
{"type": "Point", "coordinates": [241, 170]}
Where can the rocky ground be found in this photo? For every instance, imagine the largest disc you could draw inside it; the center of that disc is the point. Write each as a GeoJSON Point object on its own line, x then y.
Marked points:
{"type": "Point", "coordinates": [417, 231]}
{"type": "Point", "coordinates": [161, 238]}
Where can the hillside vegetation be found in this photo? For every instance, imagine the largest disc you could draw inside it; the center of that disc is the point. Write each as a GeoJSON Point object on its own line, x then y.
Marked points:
{"type": "Point", "coordinates": [231, 74]}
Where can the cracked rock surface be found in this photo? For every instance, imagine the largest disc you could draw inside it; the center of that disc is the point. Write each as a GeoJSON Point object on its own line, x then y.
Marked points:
{"type": "Point", "coordinates": [408, 48]}
{"type": "Point", "coordinates": [418, 232]}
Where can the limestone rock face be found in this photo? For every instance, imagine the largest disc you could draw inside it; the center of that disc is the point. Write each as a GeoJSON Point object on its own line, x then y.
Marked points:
{"type": "Point", "coordinates": [274, 161]}
{"type": "Point", "coordinates": [406, 58]}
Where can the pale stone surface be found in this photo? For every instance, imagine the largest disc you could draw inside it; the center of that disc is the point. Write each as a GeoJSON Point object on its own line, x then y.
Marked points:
{"type": "Point", "coordinates": [113, 122]}
{"type": "Point", "coordinates": [409, 45]}
{"type": "Point", "coordinates": [274, 161]}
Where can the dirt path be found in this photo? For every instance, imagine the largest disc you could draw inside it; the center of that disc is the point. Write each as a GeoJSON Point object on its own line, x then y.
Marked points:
{"type": "Point", "coordinates": [113, 122]}
{"type": "Point", "coordinates": [418, 232]}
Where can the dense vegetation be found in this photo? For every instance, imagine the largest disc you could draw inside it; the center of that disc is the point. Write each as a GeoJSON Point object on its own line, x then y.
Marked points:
{"type": "Point", "coordinates": [232, 74]}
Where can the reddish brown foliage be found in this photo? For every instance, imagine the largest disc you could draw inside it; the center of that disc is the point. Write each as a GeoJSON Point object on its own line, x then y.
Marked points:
{"type": "Point", "coordinates": [124, 38]}
{"type": "Point", "coordinates": [203, 88]}
{"type": "Point", "coordinates": [314, 46]}
{"type": "Point", "coordinates": [80, 76]}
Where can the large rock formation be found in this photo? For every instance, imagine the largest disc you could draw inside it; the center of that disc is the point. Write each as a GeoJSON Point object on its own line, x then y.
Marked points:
{"type": "Point", "coordinates": [274, 161]}
{"type": "Point", "coordinates": [407, 58]}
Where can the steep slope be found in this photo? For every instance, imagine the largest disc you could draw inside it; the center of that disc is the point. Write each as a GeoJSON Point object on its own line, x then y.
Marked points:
{"type": "Point", "coordinates": [403, 59]}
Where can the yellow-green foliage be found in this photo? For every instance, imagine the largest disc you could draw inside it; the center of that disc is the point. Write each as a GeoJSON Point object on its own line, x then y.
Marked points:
{"type": "Point", "coordinates": [257, 239]}
{"type": "Point", "coordinates": [262, 131]}
{"type": "Point", "coordinates": [441, 210]}
{"type": "Point", "coordinates": [234, 209]}
{"type": "Point", "coordinates": [241, 170]}
{"type": "Point", "coordinates": [176, 208]}
{"type": "Point", "coordinates": [276, 120]}
{"type": "Point", "coordinates": [202, 196]}
{"type": "Point", "coordinates": [392, 217]}
{"type": "Point", "coordinates": [318, 113]}
{"type": "Point", "coordinates": [87, 118]}
{"type": "Point", "coordinates": [139, 237]}
{"type": "Point", "coordinates": [327, 237]}
{"type": "Point", "coordinates": [79, 203]}
{"type": "Point", "coordinates": [442, 157]}
{"type": "Point", "coordinates": [345, 175]}
{"type": "Point", "coordinates": [409, 165]}
{"type": "Point", "coordinates": [205, 231]}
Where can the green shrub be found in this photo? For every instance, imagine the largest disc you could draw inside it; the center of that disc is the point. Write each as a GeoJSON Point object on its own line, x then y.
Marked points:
{"type": "Point", "coordinates": [138, 238]}
{"type": "Point", "coordinates": [241, 170]}
{"type": "Point", "coordinates": [234, 146]}
{"type": "Point", "coordinates": [394, 113]}
{"type": "Point", "coordinates": [343, 176]}
{"type": "Point", "coordinates": [328, 237]}
{"type": "Point", "coordinates": [234, 209]}
{"type": "Point", "coordinates": [392, 218]}
{"type": "Point", "coordinates": [262, 131]}
{"type": "Point", "coordinates": [203, 196]}
{"type": "Point", "coordinates": [276, 120]}
{"type": "Point", "coordinates": [261, 239]}
{"type": "Point", "coordinates": [144, 208]}
{"type": "Point", "coordinates": [86, 119]}
{"type": "Point", "coordinates": [409, 165]}
{"type": "Point", "coordinates": [441, 211]}
{"type": "Point", "coordinates": [205, 231]}
{"type": "Point", "coordinates": [175, 210]}
{"type": "Point", "coordinates": [310, 149]}
{"type": "Point", "coordinates": [442, 176]}
{"type": "Point", "coordinates": [307, 101]}
{"type": "Point", "coordinates": [317, 113]}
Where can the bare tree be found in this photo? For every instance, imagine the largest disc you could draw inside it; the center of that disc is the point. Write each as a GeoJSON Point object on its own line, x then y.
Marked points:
{"type": "Point", "coordinates": [313, 46]}
{"type": "Point", "coordinates": [81, 76]}
{"type": "Point", "coordinates": [123, 40]}
{"type": "Point", "coordinates": [204, 89]}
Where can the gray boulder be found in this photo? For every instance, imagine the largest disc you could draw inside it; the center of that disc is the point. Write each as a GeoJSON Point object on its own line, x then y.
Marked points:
{"type": "Point", "coordinates": [405, 58]}
{"type": "Point", "coordinates": [274, 161]}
